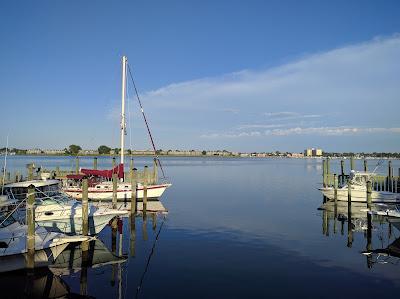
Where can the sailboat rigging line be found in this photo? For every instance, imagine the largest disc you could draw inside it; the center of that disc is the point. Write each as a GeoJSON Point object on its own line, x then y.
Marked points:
{"type": "Point", "coordinates": [145, 120]}
{"type": "Point", "coordinates": [149, 259]}
{"type": "Point", "coordinates": [130, 121]}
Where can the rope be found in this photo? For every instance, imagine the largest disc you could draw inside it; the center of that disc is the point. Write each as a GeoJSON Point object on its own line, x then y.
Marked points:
{"type": "Point", "coordinates": [145, 120]}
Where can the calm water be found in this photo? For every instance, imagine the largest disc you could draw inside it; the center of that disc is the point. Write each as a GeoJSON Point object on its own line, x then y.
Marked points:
{"type": "Point", "coordinates": [236, 228]}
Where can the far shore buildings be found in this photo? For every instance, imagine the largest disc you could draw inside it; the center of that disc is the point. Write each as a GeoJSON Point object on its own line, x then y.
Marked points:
{"type": "Point", "coordinates": [313, 152]}
{"type": "Point", "coordinates": [182, 153]}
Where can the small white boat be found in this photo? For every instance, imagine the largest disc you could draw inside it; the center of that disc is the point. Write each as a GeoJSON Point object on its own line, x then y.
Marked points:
{"type": "Point", "coordinates": [48, 245]}
{"type": "Point", "coordinates": [56, 211]}
{"type": "Point", "coordinates": [359, 190]}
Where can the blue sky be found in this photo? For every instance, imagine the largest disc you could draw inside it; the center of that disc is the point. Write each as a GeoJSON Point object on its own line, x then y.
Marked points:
{"type": "Point", "coordinates": [236, 75]}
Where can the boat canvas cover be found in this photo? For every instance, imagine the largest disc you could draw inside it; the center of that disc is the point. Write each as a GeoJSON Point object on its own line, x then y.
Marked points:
{"type": "Point", "coordinates": [119, 170]}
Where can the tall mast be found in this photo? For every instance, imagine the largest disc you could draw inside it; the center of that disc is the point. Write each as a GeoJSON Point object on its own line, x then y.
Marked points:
{"type": "Point", "coordinates": [123, 125]}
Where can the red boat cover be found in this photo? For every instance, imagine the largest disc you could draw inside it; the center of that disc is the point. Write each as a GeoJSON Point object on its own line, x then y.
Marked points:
{"type": "Point", "coordinates": [119, 170]}
{"type": "Point", "coordinates": [76, 176]}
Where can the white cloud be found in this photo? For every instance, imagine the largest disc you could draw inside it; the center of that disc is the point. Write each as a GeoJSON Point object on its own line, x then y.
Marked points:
{"type": "Point", "coordinates": [259, 126]}
{"type": "Point", "coordinates": [316, 131]}
{"type": "Point", "coordinates": [349, 90]}
{"type": "Point", "coordinates": [287, 115]}
{"type": "Point", "coordinates": [232, 135]}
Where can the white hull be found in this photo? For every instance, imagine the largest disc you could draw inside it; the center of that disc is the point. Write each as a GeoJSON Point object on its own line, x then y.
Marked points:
{"type": "Point", "coordinates": [67, 218]}
{"type": "Point", "coordinates": [123, 194]}
{"type": "Point", "coordinates": [360, 195]}
{"type": "Point", "coordinates": [73, 225]}
{"type": "Point", "coordinates": [48, 245]}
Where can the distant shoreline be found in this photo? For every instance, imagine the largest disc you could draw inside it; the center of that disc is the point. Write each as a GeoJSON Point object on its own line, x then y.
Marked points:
{"type": "Point", "coordinates": [204, 156]}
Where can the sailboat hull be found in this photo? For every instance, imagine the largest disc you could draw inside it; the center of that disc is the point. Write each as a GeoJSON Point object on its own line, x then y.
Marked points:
{"type": "Point", "coordinates": [123, 194]}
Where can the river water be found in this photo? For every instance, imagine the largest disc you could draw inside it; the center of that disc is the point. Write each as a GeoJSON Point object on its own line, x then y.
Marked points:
{"type": "Point", "coordinates": [236, 228]}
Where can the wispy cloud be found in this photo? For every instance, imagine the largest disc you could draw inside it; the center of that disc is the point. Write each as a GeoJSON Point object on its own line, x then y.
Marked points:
{"type": "Point", "coordinates": [232, 135]}
{"type": "Point", "coordinates": [349, 90]}
{"type": "Point", "coordinates": [287, 115]}
{"type": "Point", "coordinates": [316, 131]}
{"type": "Point", "coordinates": [259, 126]}
{"type": "Point", "coordinates": [330, 131]}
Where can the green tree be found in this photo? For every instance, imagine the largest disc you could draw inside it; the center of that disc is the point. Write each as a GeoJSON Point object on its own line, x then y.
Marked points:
{"type": "Point", "coordinates": [103, 149]}
{"type": "Point", "coordinates": [203, 153]}
{"type": "Point", "coordinates": [73, 149]}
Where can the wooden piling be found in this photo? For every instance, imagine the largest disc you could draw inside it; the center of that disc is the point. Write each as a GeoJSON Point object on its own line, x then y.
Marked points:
{"type": "Point", "coordinates": [349, 225]}
{"type": "Point", "coordinates": [369, 239]}
{"type": "Point", "coordinates": [342, 167]}
{"type": "Point", "coordinates": [131, 168]}
{"type": "Point", "coordinates": [328, 170]}
{"type": "Point", "coordinates": [324, 173]}
{"type": "Point", "coordinates": [95, 163]}
{"type": "Point", "coordinates": [365, 165]}
{"type": "Point", "coordinates": [132, 235]}
{"type": "Point", "coordinates": [114, 228]}
{"type": "Point", "coordinates": [145, 182]}
{"type": "Point", "coordinates": [30, 221]}
{"type": "Point", "coordinates": [146, 175]}
{"type": "Point", "coordinates": [369, 195]}
{"type": "Point", "coordinates": [58, 171]}
{"type": "Point", "coordinates": [133, 193]}
{"type": "Point", "coordinates": [85, 208]}
{"type": "Point", "coordinates": [17, 177]}
{"type": "Point", "coordinates": [389, 178]}
{"type": "Point", "coordinates": [154, 221]}
{"type": "Point", "coordinates": [115, 187]}
{"type": "Point", "coordinates": [30, 172]}
{"type": "Point", "coordinates": [77, 165]}
{"type": "Point", "coordinates": [144, 199]}
{"type": "Point", "coordinates": [342, 171]}
{"type": "Point", "coordinates": [335, 186]}
{"type": "Point", "coordinates": [155, 171]}
{"type": "Point", "coordinates": [352, 163]}
{"type": "Point", "coordinates": [144, 228]}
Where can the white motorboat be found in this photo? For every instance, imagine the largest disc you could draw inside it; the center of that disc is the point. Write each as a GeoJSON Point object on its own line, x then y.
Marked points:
{"type": "Point", "coordinates": [13, 251]}
{"type": "Point", "coordinates": [57, 212]}
{"type": "Point", "coordinates": [100, 186]}
{"type": "Point", "coordinates": [359, 190]}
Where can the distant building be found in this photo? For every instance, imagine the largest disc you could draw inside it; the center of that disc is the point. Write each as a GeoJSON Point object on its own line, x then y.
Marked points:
{"type": "Point", "coordinates": [34, 151]}
{"type": "Point", "coordinates": [316, 152]}
{"type": "Point", "coordinates": [313, 152]}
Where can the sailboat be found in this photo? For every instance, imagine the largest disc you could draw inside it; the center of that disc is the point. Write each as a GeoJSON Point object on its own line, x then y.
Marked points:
{"type": "Point", "coordinates": [100, 186]}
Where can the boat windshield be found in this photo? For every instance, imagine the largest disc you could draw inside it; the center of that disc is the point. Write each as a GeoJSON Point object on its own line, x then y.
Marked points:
{"type": "Point", "coordinates": [359, 179]}
{"type": "Point", "coordinates": [6, 220]}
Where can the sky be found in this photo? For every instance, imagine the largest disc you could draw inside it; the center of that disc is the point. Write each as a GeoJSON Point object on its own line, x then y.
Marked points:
{"type": "Point", "coordinates": [235, 75]}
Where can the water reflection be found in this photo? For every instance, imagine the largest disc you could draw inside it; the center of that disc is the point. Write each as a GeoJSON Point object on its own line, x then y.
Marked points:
{"type": "Point", "coordinates": [73, 273]}
{"type": "Point", "coordinates": [40, 284]}
{"type": "Point", "coordinates": [388, 255]}
{"type": "Point", "coordinates": [359, 221]}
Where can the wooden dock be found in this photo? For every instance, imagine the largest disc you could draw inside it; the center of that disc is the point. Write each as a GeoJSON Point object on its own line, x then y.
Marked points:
{"type": "Point", "coordinates": [389, 182]}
